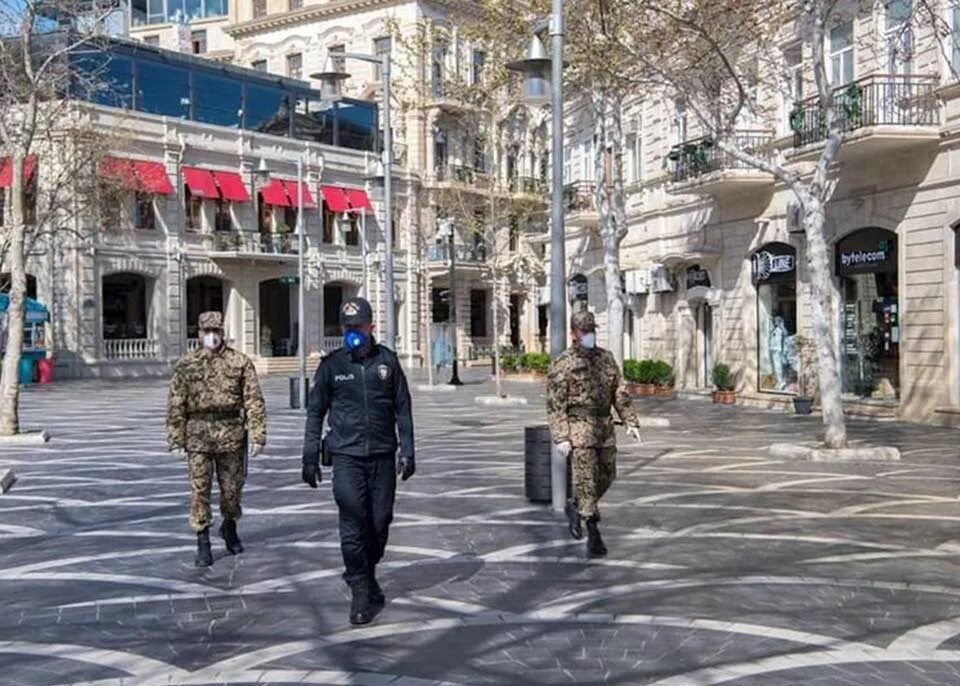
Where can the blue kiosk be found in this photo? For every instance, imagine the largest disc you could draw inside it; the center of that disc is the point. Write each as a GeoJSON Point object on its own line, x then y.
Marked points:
{"type": "Point", "coordinates": [34, 335]}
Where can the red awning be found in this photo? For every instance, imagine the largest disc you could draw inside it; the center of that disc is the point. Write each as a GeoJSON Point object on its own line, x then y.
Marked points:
{"type": "Point", "coordinates": [308, 201]}
{"type": "Point", "coordinates": [336, 199]}
{"type": "Point", "coordinates": [359, 200]}
{"type": "Point", "coordinates": [274, 193]}
{"type": "Point", "coordinates": [201, 183]}
{"type": "Point", "coordinates": [153, 177]}
{"type": "Point", "coordinates": [6, 170]}
{"type": "Point", "coordinates": [121, 172]}
{"type": "Point", "coordinates": [231, 186]}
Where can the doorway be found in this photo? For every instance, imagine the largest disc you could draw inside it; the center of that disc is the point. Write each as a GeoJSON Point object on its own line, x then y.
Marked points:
{"type": "Point", "coordinates": [704, 318]}
{"type": "Point", "coordinates": [515, 320]}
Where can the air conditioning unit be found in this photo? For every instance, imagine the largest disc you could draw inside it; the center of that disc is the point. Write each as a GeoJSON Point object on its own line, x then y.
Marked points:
{"type": "Point", "coordinates": [661, 281]}
{"type": "Point", "coordinates": [637, 282]}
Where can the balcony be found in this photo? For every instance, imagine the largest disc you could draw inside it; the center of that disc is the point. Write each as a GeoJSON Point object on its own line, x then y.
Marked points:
{"type": "Point", "coordinates": [699, 166]}
{"type": "Point", "coordinates": [580, 204]}
{"type": "Point", "coordinates": [461, 177]}
{"type": "Point", "coordinates": [254, 247]}
{"type": "Point", "coordinates": [876, 114]}
{"type": "Point", "coordinates": [528, 186]}
{"type": "Point", "coordinates": [438, 256]}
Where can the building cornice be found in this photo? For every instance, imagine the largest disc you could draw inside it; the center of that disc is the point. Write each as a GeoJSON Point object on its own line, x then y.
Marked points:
{"type": "Point", "coordinates": [331, 10]}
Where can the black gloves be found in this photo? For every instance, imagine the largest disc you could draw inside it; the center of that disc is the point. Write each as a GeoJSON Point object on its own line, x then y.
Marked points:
{"type": "Point", "coordinates": [406, 467]}
{"type": "Point", "coordinates": [311, 474]}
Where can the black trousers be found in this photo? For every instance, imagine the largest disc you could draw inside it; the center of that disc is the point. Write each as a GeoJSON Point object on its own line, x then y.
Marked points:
{"type": "Point", "coordinates": [364, 489]}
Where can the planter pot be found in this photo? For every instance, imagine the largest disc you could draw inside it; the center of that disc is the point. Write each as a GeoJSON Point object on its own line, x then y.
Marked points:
{"type": "Point", "coordinates": [727, 397]}
{"type": "Point", "coordinates": [715, 396]}
{"type": "Point", "coordinates": [803, 405]}
{"type": "Point", "coordinates": [647, 389]}
{"type": "Point", "coordinates": [663, 392]}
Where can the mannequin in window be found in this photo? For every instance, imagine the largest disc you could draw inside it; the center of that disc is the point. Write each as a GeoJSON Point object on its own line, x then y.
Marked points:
{"type": "Point", "coordinates": [778, 351]}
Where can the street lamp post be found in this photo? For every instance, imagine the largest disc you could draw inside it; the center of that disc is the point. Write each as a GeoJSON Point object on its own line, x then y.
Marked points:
{"type": "Point", "coordinates": [332, 78]}
{"type": "Point", "coordinates": [301, 290]}
{"type": "Point", "coordinates": [536, 83]}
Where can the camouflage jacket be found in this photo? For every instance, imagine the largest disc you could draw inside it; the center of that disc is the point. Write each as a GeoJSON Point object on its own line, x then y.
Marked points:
{"type": "Point", "coordinates": [582, 388]}
{"type": "Point", "coordinates": [209, 395]}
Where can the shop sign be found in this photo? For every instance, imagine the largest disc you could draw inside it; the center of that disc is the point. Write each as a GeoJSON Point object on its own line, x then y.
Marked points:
{"type": "Point", "coordinates": [697, 278]}
{"type": "Point", "coordinates": [577, 288]}
{"type": "Point", "coordinates": [867, 251]}
{"type": "Point", "coordinates": [774, 262]}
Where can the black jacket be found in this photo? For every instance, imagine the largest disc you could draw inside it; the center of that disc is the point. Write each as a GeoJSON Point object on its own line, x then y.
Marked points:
{"type": "Point", "coordinates": [368, 402]}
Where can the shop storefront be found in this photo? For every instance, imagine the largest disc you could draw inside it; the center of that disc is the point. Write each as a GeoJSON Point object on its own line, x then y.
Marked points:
{"type": "Point", "coordinates": [775, 281]}
{"type": "Point", "coordinates": [866, 265]}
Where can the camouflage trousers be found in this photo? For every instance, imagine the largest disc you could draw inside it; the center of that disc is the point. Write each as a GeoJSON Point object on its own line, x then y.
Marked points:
{"type": "Point", "coordinates": [229, 468]}
{"type": "Point", "coordinates": [594, 470]}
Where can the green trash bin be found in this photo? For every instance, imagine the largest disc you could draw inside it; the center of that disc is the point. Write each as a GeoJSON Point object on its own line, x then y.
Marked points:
{"type": "Point", "coordinates": [27, 367]}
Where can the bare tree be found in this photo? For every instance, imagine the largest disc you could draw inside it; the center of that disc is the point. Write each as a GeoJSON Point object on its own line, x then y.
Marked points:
{"type": "Point", "coordinates": [50, 62]}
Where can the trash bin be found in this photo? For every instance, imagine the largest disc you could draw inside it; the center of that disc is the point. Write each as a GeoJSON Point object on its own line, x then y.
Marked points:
{"type": "Point", "coordinates": [295, 392]}
{"type": "Point", "coordinates": [27, 368]}
{"type": "Point", "coordinates": [45, 370]}
{"type": "Point", "coordinates": [537, 450]}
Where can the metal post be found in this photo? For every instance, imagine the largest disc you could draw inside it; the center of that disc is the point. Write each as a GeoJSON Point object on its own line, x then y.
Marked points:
{"type": "Point", "coordinates": [301, 328]}
{"type": "Point", "coordinates": [455, 376]}
{"type": "Point", "coordinates": [391, 325]}
{"type": "Point", "coordinates": [363, 250]}
{"type": "Point", "coordinates": [558, 277]}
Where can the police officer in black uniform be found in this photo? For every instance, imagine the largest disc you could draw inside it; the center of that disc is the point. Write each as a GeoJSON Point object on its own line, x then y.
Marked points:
{"type": "Point", "coordinates": [362, 391]}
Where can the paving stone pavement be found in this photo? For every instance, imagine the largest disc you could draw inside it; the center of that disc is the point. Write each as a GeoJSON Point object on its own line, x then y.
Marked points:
{"type": "Point", "coordinates": [726, 566]}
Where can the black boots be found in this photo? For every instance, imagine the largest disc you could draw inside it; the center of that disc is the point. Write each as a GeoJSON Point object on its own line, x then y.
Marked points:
{"type": "Point", "coordinates": [228, 532]}
{"type": "Point", "coordinates": [362, 611]}
{"type": "Point", "coordinates": [595, 546]}
{"type": "Point", "coordinates": [573, 519]}
{"type": "Point", "coordinates": [204, 556]}
{"type": "Point", "coordinates": [377, 597]}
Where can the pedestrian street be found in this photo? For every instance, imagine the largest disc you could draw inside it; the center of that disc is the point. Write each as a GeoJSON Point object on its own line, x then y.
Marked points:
{"type": "Point", "coordinates": [726, 566]}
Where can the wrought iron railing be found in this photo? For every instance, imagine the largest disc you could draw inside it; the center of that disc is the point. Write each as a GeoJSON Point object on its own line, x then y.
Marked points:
{"type": "Point", "coordinates": [900, 100]}
{"type": "Point", "coordinates": [530, 185]}
{"type": "Point", "coordinates": [580, 196]}
{"type": "Point", "coordinates": [701, 156]}
{"type": "Point", "coordinates": [460, 173]}
{"type": "Point", "coordinates": [464, 253]}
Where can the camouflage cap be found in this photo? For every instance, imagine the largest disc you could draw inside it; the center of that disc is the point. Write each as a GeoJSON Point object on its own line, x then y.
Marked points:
{"type": "Point", "coordinates": [583, 321]}
{"type": "Point", "coordinates": [210, 320]}
{"type": "Point", "coordinates": [355, 311]}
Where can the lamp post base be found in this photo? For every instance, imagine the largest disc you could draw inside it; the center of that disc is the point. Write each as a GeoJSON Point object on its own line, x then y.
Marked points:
{"type": "Point", "coordinates": [455, 376]}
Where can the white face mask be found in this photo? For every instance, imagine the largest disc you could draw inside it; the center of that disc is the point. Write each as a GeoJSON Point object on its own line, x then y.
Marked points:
{"type": "Point", "coordinates": [588, 341]}
{"type": "Point", "coordinates": [211, 341]}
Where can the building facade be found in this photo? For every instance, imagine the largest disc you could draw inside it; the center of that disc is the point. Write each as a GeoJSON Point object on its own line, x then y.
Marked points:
{"type": "Point", "coordinates": [715, 260]}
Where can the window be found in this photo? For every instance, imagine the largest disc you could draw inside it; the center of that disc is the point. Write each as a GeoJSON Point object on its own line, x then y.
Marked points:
{"type": "Point", "coordinates": [111, 207]}
{"type": "Point", "coordinates": [295, 66]}
{"type": "Point", "coordinates": [259, 8]}
{"type": "Point", "coordinates": [544, 167]}
{"type": "Point", "coordinates": [478, 314]}
{"type": "Point", "coordinates": [289, 222]}
{"type": "Point", "coordinates": [899, 37]}
{"type": "Point", "coordinates": [146, 217]}
{"type": "Point", "coordinates": [267, 110]}
{"type": "Point", "coordinates": [479, 155]}
{"type": "Point", "coordinates": [339, 63]}
{"type": "Point", "coordinates": [586, 160]}
{"type": "Point", "coordinates": [635, 153]}
{"type": "Point", "coordinates": [219, 100]}
{"type": "Point", "coordinates": [679, 121]}
{"type": "Point", "coordinates": [513, 241]}
{"type": "Point", "coordinates": [193, 207]}
{"type": "Point", "coordinates": [395, 226]}
{"type": "Point", "coordinates": [198, 41]}
{"type": "Point", "coordinates": [567, 164]}
{"type": "Point", "coordinates": [437, 69]}
{"type": "Point", "coordinates": [294, 5]}
{"type": "Point", "coordinates": [152, 40]}
{"type": "Point", "coordinates": [329, 225]}
{"type": "Point", "coordinates": [841, 53]}
{"type": "Point", "coordinates": [440, 304]}
{"type": "Point", "coordinates": [146, 12]}
{"type": "Point", "coordinates": [259, 65]}
{"type": "Point", "coordinates": [793, 88]}
{"type": "Point", "coordinates": [352, 236]}
{"type": "Point", "coordinates": [477, 61]}
{"type": "Point", "coordinates": [163, 89]}
{"type": "Point", "coordinates": [223, 219]}
{"type": "Point", "coordinates": [381, 48]}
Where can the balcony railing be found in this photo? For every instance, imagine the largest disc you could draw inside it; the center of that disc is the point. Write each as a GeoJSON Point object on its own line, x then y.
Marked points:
{"type": "Point", "coordinates": [459, 173]}
{"type": "Point", "coordinates": [873, 101]}
{"type": "Point", "coordinates": [131, 349]}
{"type": "Point", "coordinates": [529, 185]}
{"type": "Point", "coordinates": [701, 156]}
{"type": "Point", "coordinates": [580, 196]}
{"type": "Point", "coordinates": [331, 343]}
{"type": "Point", "coordinates": [265, 243]}
{"type": "Point", "coordinates": [465, 253]}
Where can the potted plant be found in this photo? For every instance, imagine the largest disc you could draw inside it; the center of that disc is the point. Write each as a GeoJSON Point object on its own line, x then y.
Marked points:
{"type": "Point", "coordinates": [724, 384]}
{"type": "Point", "coordinates": [662, 377]}
{"type": "Point", "coordinates": [632, 375]}
{"type": "Point", "coordinates": [806, 376]}
{"type": "Point", "coordinates": [645, 373]}
{"type": "Point", "coordinates": [537, 364]}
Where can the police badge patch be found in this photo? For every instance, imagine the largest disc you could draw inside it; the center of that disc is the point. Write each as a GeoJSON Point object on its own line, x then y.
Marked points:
{"type": "Point", "coordinates": [351, 310]}
{"type": "Point", "coordinates": [383, 371]}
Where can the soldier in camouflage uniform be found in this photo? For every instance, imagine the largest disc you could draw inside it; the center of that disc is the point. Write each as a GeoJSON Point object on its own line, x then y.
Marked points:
{"type": "Point", "coordinates": [215, 403]}
{"type": "Point", "coordinates": [585, 381]}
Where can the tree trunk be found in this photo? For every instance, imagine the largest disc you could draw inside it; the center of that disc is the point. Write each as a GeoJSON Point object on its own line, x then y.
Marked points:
{"type": "Point", "coordinates": [617, 228]}
{"type": "Point", "coordinates": [427, 314]}
{"type": "Point", "coordinates": [495, 247]}
{"type": "Point", "coordinates": [835, 429]}
{"type": "Point", "coordinates": [9, 377]}
{"type": "Point", "coordinates": [496, 335]}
